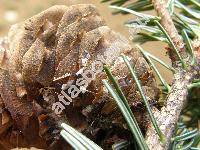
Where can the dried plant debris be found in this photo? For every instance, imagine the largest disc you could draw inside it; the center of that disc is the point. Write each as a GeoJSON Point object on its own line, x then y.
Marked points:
{"type": "Point", "coordinates": [42, 56]}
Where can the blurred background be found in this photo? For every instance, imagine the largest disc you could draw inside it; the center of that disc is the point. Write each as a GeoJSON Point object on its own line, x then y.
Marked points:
{"type": "Point", "coordinates": [14, 11]}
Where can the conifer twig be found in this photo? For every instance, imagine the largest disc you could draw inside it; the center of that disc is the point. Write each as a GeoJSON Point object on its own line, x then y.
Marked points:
{"type": "Point", "coordinates": [168, 116]}
{"type": "Point", "coordinates": [167, 22]}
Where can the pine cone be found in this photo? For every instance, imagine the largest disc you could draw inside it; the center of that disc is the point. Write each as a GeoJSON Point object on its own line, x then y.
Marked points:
{"type": "Point", "coordinates": [44, 56]}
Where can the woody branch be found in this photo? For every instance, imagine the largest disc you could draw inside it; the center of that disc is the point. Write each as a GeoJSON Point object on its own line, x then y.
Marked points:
{"type": "Point", "coordinates": [168, 116]}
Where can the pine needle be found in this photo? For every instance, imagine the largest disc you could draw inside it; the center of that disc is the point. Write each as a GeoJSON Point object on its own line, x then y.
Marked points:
{"type": "Point", "coordinates": [135, 13]}
{"type": "Point", "coordinates": [162, 80]}
{"type": "Point", "coordinates": [186, 136]}
{"type": "Point", "coordinates": [120, 145]}
{"type": "Point", "coordinates": [160, 134]}
{"type": "Point", "coordinates": [75, 137]}
{"type": "Point", "coordinates": [161, 62]}
{"type": "Point", "coordinates": [189, 46]}
{"type": "Point", "coordinates": [120, 93]}
{"type": "Point", "coordinates": [129, 119]}
{"type": "Point", "coordinates": [77, 145]}
{"type": "Point", "coordinates": [171, 42]}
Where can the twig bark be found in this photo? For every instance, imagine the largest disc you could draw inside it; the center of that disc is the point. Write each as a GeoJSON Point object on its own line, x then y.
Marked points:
{"type": "Point", "coordinates": [168, 24]}
{"type": "Point", "coordinates": [169, 114]}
